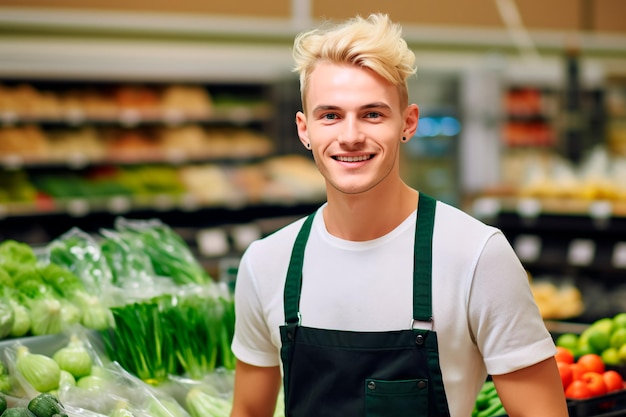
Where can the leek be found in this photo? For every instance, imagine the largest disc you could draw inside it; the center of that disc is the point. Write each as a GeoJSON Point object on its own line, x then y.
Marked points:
{"type": "Point", "coordinates": [201, 404]}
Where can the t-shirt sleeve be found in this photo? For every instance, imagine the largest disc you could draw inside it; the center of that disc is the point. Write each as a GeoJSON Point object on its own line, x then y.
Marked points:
{"type": "Point", "coordinates": [506, 323]}
{"type": "Point", "coordinates": [252, 339]}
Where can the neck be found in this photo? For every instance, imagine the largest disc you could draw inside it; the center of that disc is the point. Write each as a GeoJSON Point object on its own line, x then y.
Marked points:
{"type": "Point", "coordinates": [369, 215]}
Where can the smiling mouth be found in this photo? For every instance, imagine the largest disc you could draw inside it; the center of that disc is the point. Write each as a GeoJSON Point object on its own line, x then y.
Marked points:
{"type": "Point", "coordinates": [359, 158]}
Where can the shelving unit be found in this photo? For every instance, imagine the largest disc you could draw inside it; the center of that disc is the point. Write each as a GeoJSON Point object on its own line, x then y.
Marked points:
{"type": "Point", "coordinates": [198, 156]}
{"type": "Point", "coordinates": [579, 242]}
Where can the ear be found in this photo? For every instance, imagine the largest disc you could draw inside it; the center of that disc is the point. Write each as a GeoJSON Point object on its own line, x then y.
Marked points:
{"type": "Point", "coordinates": [303, 133]}
{"type": "Point", "coordinates": [411, 118]}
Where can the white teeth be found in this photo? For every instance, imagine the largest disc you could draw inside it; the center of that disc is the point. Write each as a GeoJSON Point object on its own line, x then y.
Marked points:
{"type": "Point", "coordinates": [353, 158]}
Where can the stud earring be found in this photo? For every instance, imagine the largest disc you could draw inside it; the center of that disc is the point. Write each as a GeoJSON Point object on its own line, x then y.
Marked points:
{"type": "Point", "coordinates": [308, 145]}
{"type": "Point", "coordinates": [403, 138]}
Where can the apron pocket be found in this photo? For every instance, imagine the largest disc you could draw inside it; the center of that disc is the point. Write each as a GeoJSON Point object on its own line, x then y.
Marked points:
{"type": "Point", "coordinates": [396, 398]}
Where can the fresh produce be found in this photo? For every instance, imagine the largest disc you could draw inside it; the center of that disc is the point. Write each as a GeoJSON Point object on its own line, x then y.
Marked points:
{"type": "Point", "coordinates": [586, 377]}
{"type": "Point", "coordinates": [17, 412]}
{"type": "Point", "coordinates": [202, 404]}
{"type": "Point", "coordinates": [169, 253]}
{"type": "Point", "coordinates": [42, 298]}
{"type": "Point", "coordinates": [42, 405]}
{"type": "Point", "coordinates": [5, 379]}
{"type": "Point", "coordinates": [40, 371]}
{"type": "Point", "coordinates": [605, 337]}
{"type": "Point", "coordinates": [188, 333]}
{"type": "Point", "coordinates": [488, 402]}
{"type": "Point", "coordinates": [74, 358]}
{"type": "Point", "coordinates": [45, 405]}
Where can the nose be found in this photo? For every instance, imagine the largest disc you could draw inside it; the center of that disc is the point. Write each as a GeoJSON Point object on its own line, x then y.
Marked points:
{"type": "Point", "coordinates": [351, 132]}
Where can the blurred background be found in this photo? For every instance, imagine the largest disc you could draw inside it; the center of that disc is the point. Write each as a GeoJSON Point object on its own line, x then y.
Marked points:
{"type": "Point", "coordinates": [184, 111]}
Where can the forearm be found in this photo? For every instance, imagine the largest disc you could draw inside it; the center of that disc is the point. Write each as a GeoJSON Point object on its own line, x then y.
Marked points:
{"type": "Point", "coordinates": [535, 391]}
{"type": "Point", "coordinates": [256, 390]}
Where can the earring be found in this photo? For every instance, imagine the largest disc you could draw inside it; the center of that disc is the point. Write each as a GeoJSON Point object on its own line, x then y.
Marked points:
{"type": "Point", "coordinates": [403, 138]}
{"type": "Point", "coordinates": [308, 145]}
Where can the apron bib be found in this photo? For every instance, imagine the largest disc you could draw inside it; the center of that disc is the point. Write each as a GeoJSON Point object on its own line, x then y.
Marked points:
{"type": "Point", "coordinates": [340, 373]}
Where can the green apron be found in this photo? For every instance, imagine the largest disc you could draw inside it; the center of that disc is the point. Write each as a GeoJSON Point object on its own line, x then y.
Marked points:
{"type": "Point", "coordinates": [340, 373]}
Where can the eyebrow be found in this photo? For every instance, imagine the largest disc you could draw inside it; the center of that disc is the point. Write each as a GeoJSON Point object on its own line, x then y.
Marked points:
{"type": "Point", "coordinates": [375, 105]}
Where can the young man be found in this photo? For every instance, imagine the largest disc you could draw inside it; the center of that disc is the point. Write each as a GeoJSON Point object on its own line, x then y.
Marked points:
{"type": "Point", "coordinates": [385, 302]}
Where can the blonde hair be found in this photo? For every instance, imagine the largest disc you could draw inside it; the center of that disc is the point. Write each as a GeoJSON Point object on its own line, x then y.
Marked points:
{"type": "Point", "coordinates": [375, 43]}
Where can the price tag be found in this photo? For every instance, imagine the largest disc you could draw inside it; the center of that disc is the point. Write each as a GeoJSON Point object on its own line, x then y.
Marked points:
{"type": "Point", "coordinates": [9, 117]}
{"type": "Point", "coordinates": [486, 207]}
{"type": "Point", "coordinates": [529, 207]}
{"type": "Point", "coordinates": [78, 207]}
{"type": "Point", "coordinates": [75, 116]}
{"type": "Point", "coordinates": [619, 255]}
{"type": "Point", "coordinates": [527, 247]}
{"type": "Point", "coordinates": [189, 202]}
{"type": "Point", "coordinates": [581, 252]}
{"type": "Point", "coordinates": [163, 202]}
{"type": "Point", "coordinates": [244, 235]}
{"type": "Point", "coordinates": [601, 210]}
{"type": "Point", "coordinates": [174, 117]}
{"type": "Point", "coordinates": [12, 162]}
{"type": "Point", "coordinates": [77, 160]}
{"type": "Point", "coordinates": [212, 242]}
{"type": "Point", "coordinates": [130, 118]}
{"type": "Point", "coordinates": [119, 204]}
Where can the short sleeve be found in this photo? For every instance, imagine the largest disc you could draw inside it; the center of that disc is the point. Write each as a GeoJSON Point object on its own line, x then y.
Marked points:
{"type": "Point", "coordinates": [252, 341]}
{"type": "Point", "coordinates": [505, 321]}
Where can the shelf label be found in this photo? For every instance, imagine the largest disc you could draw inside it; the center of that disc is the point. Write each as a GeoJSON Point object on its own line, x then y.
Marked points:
{"type": "Point", "coordinates": [189, 202]}
{"type": "Point", "coordinates": [78, 207]}
{"type": "Point", "coordinates": [529, 207]}
{"type": "Point", "coordinates": [163, 202]}
{"type": "Point", "coordinates": [581, 252]}
{"type": "Point", "coordinates": [527, 247]}
{"type": "Point", "coordinates": [244, 235]}
{"type": "Point", "coordinates": [619, 255]}
{"type": "Point", "coordinates": [212, 242]}
{"type": "Point", "coordinates": [119, 204]}
{"type": "Point", "coordinates": [12, 162]}
{"type": "Point", "coordinates": [77, 160]}
{"type": "Point", "coordinates": [75, 116]}
{"type": "Point", "coordinates": [130, 118]}
{"type": "Point", "coordinates": [486, 207]}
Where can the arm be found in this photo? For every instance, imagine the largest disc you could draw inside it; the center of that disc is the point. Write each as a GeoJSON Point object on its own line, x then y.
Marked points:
{"type": "Point", "coordinates": [256, 390]}
{"type": "Point", "coordinates": [535, 391]}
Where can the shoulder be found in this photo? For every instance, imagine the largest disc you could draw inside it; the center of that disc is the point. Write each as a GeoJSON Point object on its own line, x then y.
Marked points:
{"type": "Point", "coordinates": [276, 245]}
{"type": "Point", "coordinates": [452, 223]}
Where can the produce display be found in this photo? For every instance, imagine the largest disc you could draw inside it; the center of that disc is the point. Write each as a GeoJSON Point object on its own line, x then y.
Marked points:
{"type": "Point", "coordinates": [165, 333]}
{"type": "Point", "coordinates": [488, 402]}
{"type": "Point", "coordinates": [605, 337]}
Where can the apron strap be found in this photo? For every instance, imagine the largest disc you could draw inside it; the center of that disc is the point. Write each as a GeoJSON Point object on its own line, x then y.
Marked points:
{"type": "Point", "coordinates": [293, 285]}
{"type": "Point", "coordinates": [422, 259]}
{"type": "Point", "coordinates": [422, 268]}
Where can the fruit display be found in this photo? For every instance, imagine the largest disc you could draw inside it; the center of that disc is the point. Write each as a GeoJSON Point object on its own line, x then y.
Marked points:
{"type": "Point", "coordinates": [557, 302]}
{"type": "Point", "coordinates": [605, 337]}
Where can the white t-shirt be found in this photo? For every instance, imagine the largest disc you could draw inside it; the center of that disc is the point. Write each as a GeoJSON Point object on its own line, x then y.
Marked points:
{"type": "Point", "coordinates": [484, 313]}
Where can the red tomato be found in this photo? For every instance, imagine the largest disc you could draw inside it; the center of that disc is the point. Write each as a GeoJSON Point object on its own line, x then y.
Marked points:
{"type": "Point", "coordinates": [595, 383]}
{"type": "Point", "coordinates": [567, 375]}
{"type": "Point", "coordinates": [613, 380]}
{"type": "Point", "coordinates": [563, 354]}
{"type": "Point", "coordinates": [578, 390]}
{"type": "Point", "coordinates": [577, 371]}
{"type": "Point", "coordinates": [591, 362]}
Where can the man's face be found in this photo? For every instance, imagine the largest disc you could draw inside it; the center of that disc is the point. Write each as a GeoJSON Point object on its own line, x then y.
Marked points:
{"type": "Point", "coordinates": [354, 124]}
